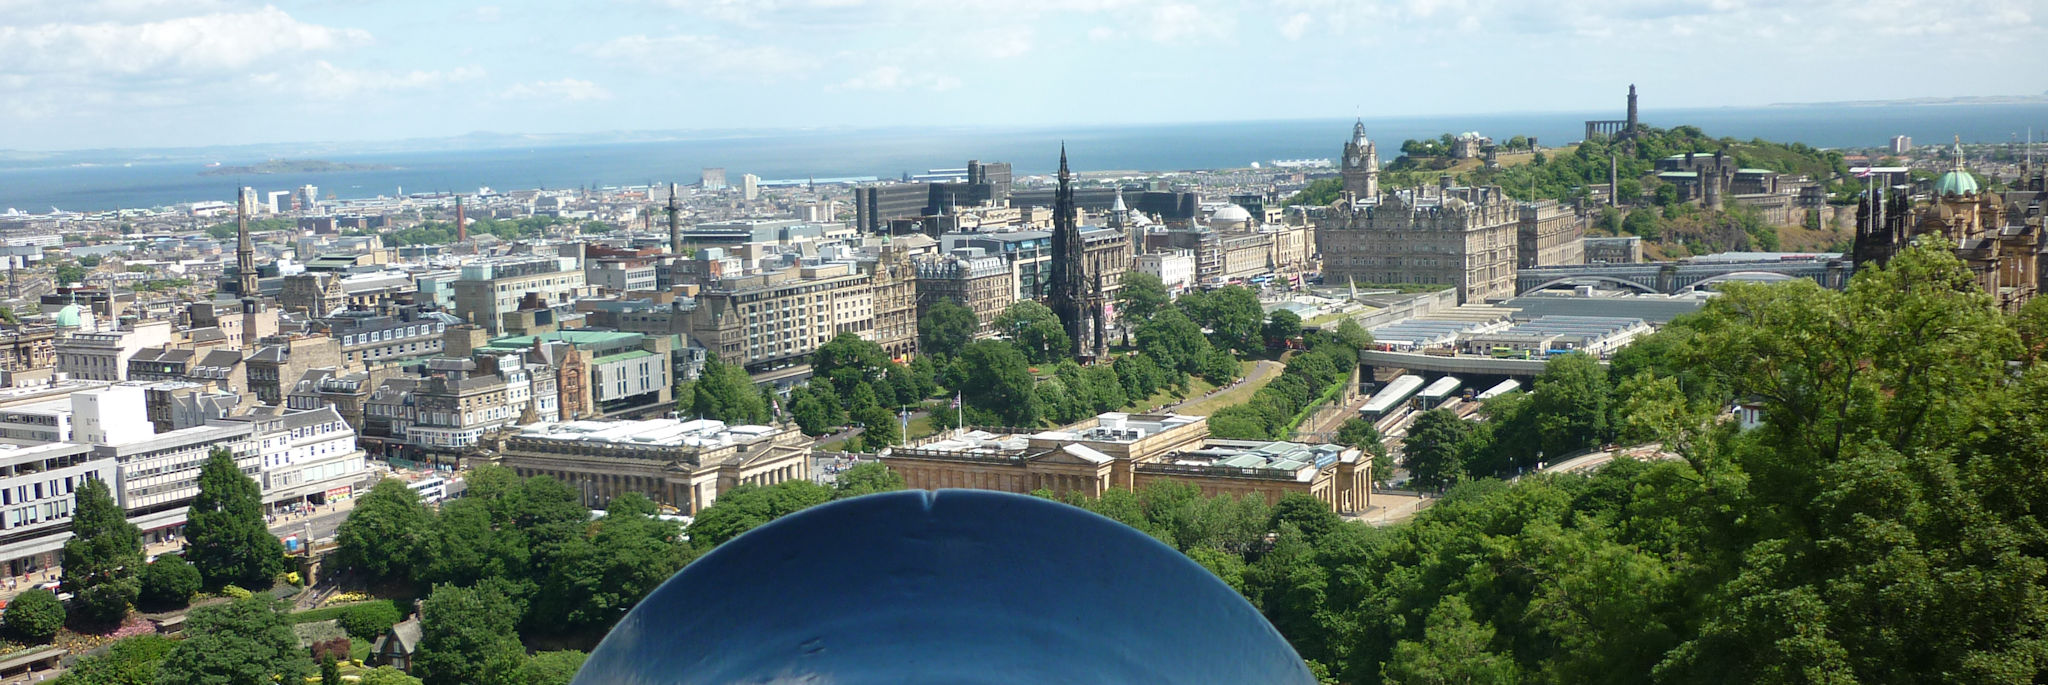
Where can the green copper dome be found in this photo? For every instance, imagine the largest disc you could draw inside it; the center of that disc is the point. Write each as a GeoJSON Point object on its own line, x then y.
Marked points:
{"type": "Point", "coordinates": [68, 317]}
{"type": "Point", "coordinates": [1956, 182]}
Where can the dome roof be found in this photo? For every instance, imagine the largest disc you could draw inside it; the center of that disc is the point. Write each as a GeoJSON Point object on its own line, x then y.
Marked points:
{"type": "Point", "coordinates": [1231, 214]}
{"type": "Point", "coordinates": [69, 316]}
{"type": "Point", "coordinates": [1956, 182]}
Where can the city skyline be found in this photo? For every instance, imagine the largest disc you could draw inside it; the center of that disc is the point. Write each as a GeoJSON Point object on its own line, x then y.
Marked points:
{"type": "Point", "coordinates": [216, 72]}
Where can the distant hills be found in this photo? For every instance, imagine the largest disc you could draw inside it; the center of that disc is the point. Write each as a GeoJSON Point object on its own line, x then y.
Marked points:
{"type": "Point", "coordinates": [1966, 100]}
{"type": "Point", "coordinates": [291, 166]}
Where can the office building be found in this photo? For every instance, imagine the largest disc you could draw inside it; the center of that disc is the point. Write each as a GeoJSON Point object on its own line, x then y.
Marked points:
{"type": "Point", "coordinates": [489, 289]}
{"type": "Point", "coordinates": [104, 355]}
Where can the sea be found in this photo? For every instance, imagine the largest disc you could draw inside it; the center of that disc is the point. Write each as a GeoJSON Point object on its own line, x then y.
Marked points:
{"type": "Point", "coordinates": [100, 180]}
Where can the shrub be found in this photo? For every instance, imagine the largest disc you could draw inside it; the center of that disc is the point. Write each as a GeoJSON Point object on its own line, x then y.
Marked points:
{"type": "Point", "coordinates": [367, 621]}
{"type": "Point", "coordinates": [169, 581]}
{"type": "Point", "coordinates": [34, 616]}
{"type": "Point", "coordinates": [235, 592]}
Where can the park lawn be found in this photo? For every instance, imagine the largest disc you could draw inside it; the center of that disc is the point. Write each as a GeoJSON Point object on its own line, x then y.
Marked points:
{"type": "Point", "coordinates": [922, 426]}
{"type": "Point", "coordinates": [1237, 395]}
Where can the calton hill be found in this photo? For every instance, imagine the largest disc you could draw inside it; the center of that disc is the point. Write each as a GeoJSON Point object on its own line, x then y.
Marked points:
{"type": "Point", "coordinates": [1643, 205]}
{"type": "Point", "coordinates": [1881, 523]}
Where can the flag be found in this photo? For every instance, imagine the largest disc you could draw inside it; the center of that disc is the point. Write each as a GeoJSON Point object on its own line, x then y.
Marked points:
{"type": "Point", "coordinates": [956, 400]}
{"type": "Point", "coordinates": [1867, 171]}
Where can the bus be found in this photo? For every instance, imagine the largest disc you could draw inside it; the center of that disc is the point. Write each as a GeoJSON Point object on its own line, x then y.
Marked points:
{"type": "Point", "coordinates": [1433, 396]}
{"type": "Point", "coordinates": [1504, 387]}
{"type": "Point", "coordinates": [430, 490]}
{"type": "Point", "coordinates": [1390, 397]}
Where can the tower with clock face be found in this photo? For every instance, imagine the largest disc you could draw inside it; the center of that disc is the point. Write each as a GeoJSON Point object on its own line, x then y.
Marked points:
{"type": "Point", "coordinates": [1361, 165]}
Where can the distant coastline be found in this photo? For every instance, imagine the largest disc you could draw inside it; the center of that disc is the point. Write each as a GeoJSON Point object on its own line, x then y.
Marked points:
{"type": "Point", "coordinates": [1923, 102]}
{"type": "Point", "coordinates": [293, 166]}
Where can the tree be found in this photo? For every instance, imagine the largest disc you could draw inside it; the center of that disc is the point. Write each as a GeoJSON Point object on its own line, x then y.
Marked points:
{"type": "Point", "coordinates": [226, 537]}
{"type": "Point", "coordinates": [748, 506]}
{"type": "Point", "coordinates": [1141, 296]}
{"type": "Point", "coordinates": [1283, 325]}
{"type": "Point", "coordinates": [725, 392]}
{"type": "Point", "coordinates": [34, 616]}
{"type": "Point", "coordinates": [1570, 401]}
{"type": "Point", "coordinates": [944, 327]}
{"type": "Point", "coordinates": [880, 428]}
{"type": "Point", "coordinates": [1231, 314]}
{"type": "Point", "coordinates": [386, 675]}
{"type": "Point", "coordinates": [549, 668]}
{"type": "Point", "coordinates": [170, 581]}
{"type": "Point", "coordinates": [850, 360]}
{"type": "Point", "coordinates": [1354, 335]}
{"type": "Point", "coordinates": [103, 558]}
{"type": "Point", "coordinates": [1218, 366]}
{"type": "Point", "coordinates": [866, 478]}
{"type": "Point", "coordinates": [1453, 649]}
{"type": "Point", "coordinates": [1643, 222]}
{"type": "Point", "coordinates": [1432, 450]}
{"type": "Point", "coordinates": [246, 641]}
{"type": "Point", "coordinates": [330, 671]}
{"type": "Point", "coordinates": [1173, 341]}
{"type": "Point", "coordinates": [1305, 513]}
{"type": "Point", "coordinates": [368, 620]}
{"type": "Point", "coordinates": [1036, 330]}
{"type": "Point", "coordinates": [130, 661]}
{"type": "Point", "coordinates": [467, 635]}
{"type": "Point", "coordinates": [384, 535]}
{"type": "Point", "coordinates": [998, 383]}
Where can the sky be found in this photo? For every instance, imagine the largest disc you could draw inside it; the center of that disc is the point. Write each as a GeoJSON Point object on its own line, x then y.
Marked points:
{"type": "Point", "coordinates": [79, 74]}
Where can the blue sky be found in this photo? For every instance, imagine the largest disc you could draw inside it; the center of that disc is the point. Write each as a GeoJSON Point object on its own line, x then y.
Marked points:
{"type": "Point", "coordinates": [161, 73]}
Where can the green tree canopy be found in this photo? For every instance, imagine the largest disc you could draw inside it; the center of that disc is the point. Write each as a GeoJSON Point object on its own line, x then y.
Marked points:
{"type": "Point", "coordinates": [946, 326]}
{"type": "Point", "coordinates": [725, 392]}
{"type": "Point", "coordinates": [467, 635]}
{"type": "Point", "coordinates": [226, 536]}
{"type": "Point", "coordinates": [1454, 649]}
{"type": "Point", "coordinates": [1231, 314]}
{"type": "Point", "coordinates": [386, 675]}
{"type": "Point", "coordinates": [997, 384]}
{"type": "Point", "coordinates": [1433, 450]}
{"type": "Point", "coordinates": [34, 616]}
{"type": "Point", "coordinates": [1283, 325]}
{"type": "Point", "coordinates": [1036, 330]}
{"type": "Point", "coordinates": [866, 478]}
{"type": "Point", "coordinates": [850, 360]}
{"type": "Point", "coordinates": [548, 668]}
{"type": "Point", "coordinates": [103, 558]}
{"type": "Point", "coordinates": [244, 642]}
{"type": "Point", "coordinates": [170, 581]}
{"type": "Point", "coordinates": [385, 535]}
{"type": "Point", "coordinates": [129, 661]}
{"type": "Point", "coordinates": [746, 507]}
{"type": "Point", "coordinates": [1140, 296]}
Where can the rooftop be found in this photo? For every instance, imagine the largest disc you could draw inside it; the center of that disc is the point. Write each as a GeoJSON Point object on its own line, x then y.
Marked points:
{"type": "Point", "coordinates": [649, 432]}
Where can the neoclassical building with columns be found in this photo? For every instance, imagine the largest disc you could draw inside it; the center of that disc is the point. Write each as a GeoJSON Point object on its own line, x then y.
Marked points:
{"type": "Point", "coordinates": [1132, 451]}
{"type": "Point", "coordinates": [684, 464]}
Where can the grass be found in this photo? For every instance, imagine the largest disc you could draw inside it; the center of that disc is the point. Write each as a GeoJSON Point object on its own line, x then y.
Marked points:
{"type": "Point", "coordinates": [1229, 397]}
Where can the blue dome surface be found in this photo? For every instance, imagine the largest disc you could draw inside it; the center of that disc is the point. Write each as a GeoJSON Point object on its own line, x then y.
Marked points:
{"type": "Point", "coordinates": [957, 586]}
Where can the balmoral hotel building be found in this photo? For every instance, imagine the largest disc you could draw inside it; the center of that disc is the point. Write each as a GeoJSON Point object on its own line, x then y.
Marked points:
{"type": "Point", "coordinates": [1132, 451]}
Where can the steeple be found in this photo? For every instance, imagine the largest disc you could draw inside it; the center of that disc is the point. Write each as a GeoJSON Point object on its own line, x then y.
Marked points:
{"type": "Point", "coordinates": [1065, 294]}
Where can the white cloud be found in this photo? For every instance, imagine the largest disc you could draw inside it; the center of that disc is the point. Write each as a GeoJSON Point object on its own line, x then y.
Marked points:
{"type": "Point", "coordinates": [324, 80]}
{"type": "Point", "coordinates": [1101, 33]}
{"type": "Point", "coordinates": [895, 79]}
{"type": "Point", "coordinates": [181, 46]}
{"type": "Point", "coordinates": [562, 90]}
{"type": "Point", "coordinates": [1178, 22]}
{"type": "Point", "coordinates": [1004, 43]}
{"type": "Point", "coordinates": [1295, 25]}
{"type": "Point", "coordinates": [488, 14]}
{"type": "Point", "coordinates": [704, 54]}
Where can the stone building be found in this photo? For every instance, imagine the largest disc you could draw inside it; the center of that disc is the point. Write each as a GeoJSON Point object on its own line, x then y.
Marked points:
{"type": "Point", "coordinates": [683, 464]}
{"type": "Point", "coordinates": [1463, 237]}
{"type": "Point", "coordinates": [1131, 451]}
{"type": "Point", "coordinates": [278, 364]}
{"type": "Point", "coordinates": [892, 280]}
{"type": "Point", "coordinates": [489, 289]}
{"type": "Point", "coordinates": [1550, 234]}
{"type": "Point", "coordinates": [27, 348]}
{"type": "Point", "coordinates": [970, 279]}
{"type": "Point", "coordinates": [779, 316]}
{"type": "Point", "coordinates": [2000, 244]}
{"type": "Point", "coordinates": [104, 355]}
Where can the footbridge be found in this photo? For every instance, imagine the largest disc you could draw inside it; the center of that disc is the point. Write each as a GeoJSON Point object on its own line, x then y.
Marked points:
{"type": "Point", "coordinates": [1670, 278]}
